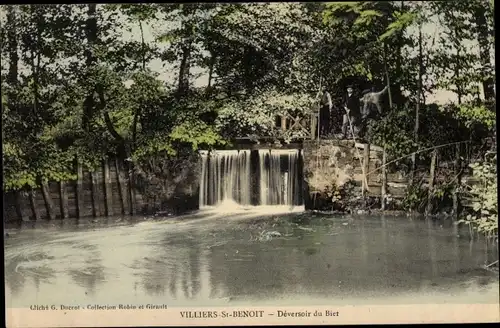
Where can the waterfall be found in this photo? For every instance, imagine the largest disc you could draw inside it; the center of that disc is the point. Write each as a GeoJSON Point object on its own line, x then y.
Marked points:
{"type": "Point", "coordinates": [204, 178]}
{"type": "Point", "coordinates": [279, 177]}
{"type": "Point", "coordinates": [225, 177]}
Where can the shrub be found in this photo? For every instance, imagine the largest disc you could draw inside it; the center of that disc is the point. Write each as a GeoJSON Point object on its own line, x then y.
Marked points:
{"type": "Point", "coordinates": [484, 216]}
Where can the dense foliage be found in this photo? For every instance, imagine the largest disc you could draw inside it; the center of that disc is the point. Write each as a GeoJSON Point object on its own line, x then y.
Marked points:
{"type": "Point", "coordinates": [484, 196]}
{"type": "Point", "coordinates": [138, 81]}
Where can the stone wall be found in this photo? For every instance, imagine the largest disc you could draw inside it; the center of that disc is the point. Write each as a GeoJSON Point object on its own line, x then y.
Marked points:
{"type": "Point", "coordinates": [330, 164]}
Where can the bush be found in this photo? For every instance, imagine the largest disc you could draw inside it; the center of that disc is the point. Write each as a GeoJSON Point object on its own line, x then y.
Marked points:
{"type": "Point", "coordinates": [484, 216]}
{"type": "Point", "coordinates": [415, 198]}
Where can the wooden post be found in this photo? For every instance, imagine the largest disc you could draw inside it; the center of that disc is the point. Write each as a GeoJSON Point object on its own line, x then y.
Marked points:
{"type": "Point", "coordinates": [108, 195]}
{"type": "Point", "coordinates": [283, 122]}
{"type": "Point", "coordinates": [429, 208]}
{"type": "Point", "coordinates": [313, 126]}
{"type": "Point", "coordinates": [131, 189]}
{"type": "Point", "coordinates": [383, 188]}
{"type": "Point", "coordinates": [79, 190]}
{"type": "Point", "coordinates": [94, 195]}
{"type": "Point", "coordinates": [121, 187]}
{"type": "Point", "coordinates": [19, 208]}
{"type": "Point", "coordinates": [34, 210]}
{"type": "Point", "coordinates": [458, 171]}
{"type": "Point", "coordinates": [49, 204]}
{"type": "Point", "coordinates": [366, 165]}
{"type": "Point", "coordinates": [63, 200]}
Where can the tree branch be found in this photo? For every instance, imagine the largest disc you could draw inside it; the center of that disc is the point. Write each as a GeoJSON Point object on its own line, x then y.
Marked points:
{"type": "Point", "coordinates": [107, 118]}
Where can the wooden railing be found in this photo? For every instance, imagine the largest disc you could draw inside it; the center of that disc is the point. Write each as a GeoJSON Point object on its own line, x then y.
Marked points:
{"type": "Point", "coordinates": [304, 122]}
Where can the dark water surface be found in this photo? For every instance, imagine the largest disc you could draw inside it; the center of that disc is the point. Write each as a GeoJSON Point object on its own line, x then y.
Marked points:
{"type": "Point", "coordinates": [226, 259]}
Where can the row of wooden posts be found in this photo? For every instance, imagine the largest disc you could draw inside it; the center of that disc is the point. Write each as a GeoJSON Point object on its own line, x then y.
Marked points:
{"type": "Point", "coordinates": [383, 168]}
{"type": "Point", "coordinates": [125, 186]}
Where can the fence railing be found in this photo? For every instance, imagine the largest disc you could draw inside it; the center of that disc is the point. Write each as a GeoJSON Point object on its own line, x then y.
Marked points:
{"type": "Point", "coordinates": [306, 123]}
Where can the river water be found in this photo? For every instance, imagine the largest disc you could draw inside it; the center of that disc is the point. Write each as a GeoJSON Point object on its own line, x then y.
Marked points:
{"type": "Point", "coordinates": [212, 259]}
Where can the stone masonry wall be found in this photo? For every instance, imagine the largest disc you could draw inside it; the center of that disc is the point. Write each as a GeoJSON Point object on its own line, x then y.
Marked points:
{"type": "Point", "coordinates": [329, 163]}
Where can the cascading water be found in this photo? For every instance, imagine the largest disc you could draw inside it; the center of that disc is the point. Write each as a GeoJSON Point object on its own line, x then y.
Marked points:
{"type": "Point", "coordinates": [279, 177]}
{"type": "Point", "coordinates": [225, 178]}
{"type": "Point", "coordinates": [203, 178]}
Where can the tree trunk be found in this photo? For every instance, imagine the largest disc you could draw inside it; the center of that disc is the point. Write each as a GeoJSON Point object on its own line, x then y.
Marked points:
{"type": "Point", "coordinates": [134, 127]}
{"type": "Point", "coordinates": [107, 119]}
{"type": "Point", "coordinates": [91, 33]}
{"type": "Point", "coordinates": [457, 164]}
{"type": "Point", "coordinates": [430, 207]}
{"type": "Point", "coordinates": [108, 192]}
{"type": "Point", "coordinates": [210, 72]}
{"type": "Point", "coordinates": [484, 51]}
{"type": "Point", "coordinates": [137, 111]}
{"type": "Point", "coordinates": [397, 83]}
{"type": "Point", "coordinates": [457, 74]}
{"type": "Point", "coordinates": [121, 187]}
{"type": "Point", "coordinates": [184, 68]}
{"type": "Point", "coordinates": [417, 107]}
{"type": "Point", "coordinates": [49, 204]}
{"type": "Point", "coordinates": [143, 47]}
{"type": "Point", "coordinates": [458, 173]}
{"type": "Point", "coordinates": [248, 70]}
{"type": "Point", "coordinates": [94, 191]}
{"type": "Point", "coordinates": [19, 205]}
{"type": "Point", "coordinates": [63, 196]}
{"type": "Point", "coordinates": [131, 189]}
{"type": "Point", "coordinates": [35, 67]}
{"type": "Point", "coordinates": [13, 46]}
{"type": "Point", "coordinates": [79, 190]}
{"type": "Point", "coordinates": [388, 81]}
{"type": "Point", "coordinates": [34, 209]}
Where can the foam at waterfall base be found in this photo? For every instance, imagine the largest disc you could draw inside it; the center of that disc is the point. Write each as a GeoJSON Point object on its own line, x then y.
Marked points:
{"type": "Point", "coordinates": [231, 207]}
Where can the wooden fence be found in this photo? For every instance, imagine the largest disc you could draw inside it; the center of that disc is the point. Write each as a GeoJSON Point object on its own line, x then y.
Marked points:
{"type": "Point", "coordinates": [105, 192]}
{"type": "Point", "coordinates": [370, 171]}
{"type": "Point", "coordinates": [305, 123]}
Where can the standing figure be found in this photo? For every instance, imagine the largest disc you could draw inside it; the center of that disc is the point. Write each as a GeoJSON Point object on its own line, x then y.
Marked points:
{"type": "Point", "coordinates": [351, 114]}
{"type": "Point", "coordinates": [324, 114]}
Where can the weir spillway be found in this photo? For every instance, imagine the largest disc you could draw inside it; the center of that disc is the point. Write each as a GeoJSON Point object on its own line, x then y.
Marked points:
{"type": "Point", "coordinates": [225, 176]}
{"type": "Point", "coordinates": [264, 177]}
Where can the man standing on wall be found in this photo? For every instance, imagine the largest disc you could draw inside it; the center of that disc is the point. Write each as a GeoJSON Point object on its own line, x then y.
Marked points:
{"type": "Point", "coordinates": [324, 114]}
{"type": "Point", "coordinates": [352, 114]}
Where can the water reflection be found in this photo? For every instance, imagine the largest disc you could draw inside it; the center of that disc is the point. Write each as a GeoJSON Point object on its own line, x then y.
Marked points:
{"type": "Point", "coordinates": [175, 265]}
{"type": "Point", "coordinates": [222, 261]}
